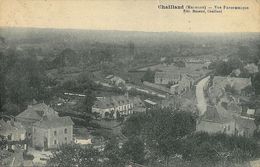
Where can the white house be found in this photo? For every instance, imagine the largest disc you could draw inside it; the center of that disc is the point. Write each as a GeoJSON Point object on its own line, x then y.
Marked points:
{"type": "Point", "coordinates": [112, 107]}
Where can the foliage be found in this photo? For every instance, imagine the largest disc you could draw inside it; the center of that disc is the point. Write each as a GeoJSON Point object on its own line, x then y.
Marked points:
{"type": "Point", "coordinates": [75, 155]}
{"type": "Point", "coordinates": [161, 129]}
{"type": "Point", "coordinates": [203, 149]}
{"type": "Point", "coordinates": [133, 150]}
{"type": "Point", "coordinates": [256, 83]}
{"type": "Point", "coordinates": [180, 64]}
{"type": "Point", "coordinates": [10, 109]}
{"type": "Point", "coordinates": [134, 124]}
{"type": "Point", "coordinates": [89, 100]}
{"type": "Point", "coordinates": [3, 153]}
{"type": "Point", "coordinates": [28, 156]}
{"type": "Point", "coordinates": [148, 76]}
{"type": "Point", "coordinates": [114, 154]}
{"type": "Point", "coordinates": [83, 82]}
{"type": "Point", "coordinates": [223, 68]}
{"type": "Point", "coordinates": [165, 130]}
{"type": "Point", "coordinates": [25, 81]}
{"type": "Point", "coordinates": [169, 133]}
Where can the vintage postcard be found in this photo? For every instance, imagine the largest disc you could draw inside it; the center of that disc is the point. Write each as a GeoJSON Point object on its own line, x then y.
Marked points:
{"type": "Point", "coordinates": [130, 83]}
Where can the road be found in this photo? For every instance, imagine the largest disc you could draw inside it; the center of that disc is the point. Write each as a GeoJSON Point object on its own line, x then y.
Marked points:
{"type": "Point", "coordinates": [202, 102]}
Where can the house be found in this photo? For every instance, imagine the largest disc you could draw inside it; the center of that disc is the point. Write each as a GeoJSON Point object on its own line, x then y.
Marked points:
{"type": "Point", "coordinates": [245, 126]}
{"type": "Point", "coordinates": [157, 87]}
{"type": "Point", "coordinates": [139, 105]}
{"type": "Point", "coordinates": [183, 85]}
{"type": "Point", "coordinates": [234, 85]}
{"type": "Point", "coordinates": [44, 127]}
{"type": "Point", "coordinates": [171, 102]}
{"type": "Point", "coordinates": [213, 122]}
{"type": "Point", "coordinates": [117, 81]}
{"type": "Point", "coordinates": [52, 131]}
{"type": "Point", "coordinates": [32, 114]}
{"type": "Point", "coordinates": [248, 112]}
{"type": "Point", "coordinates": [165, 78]}
{"type": "Point", "coordinates": [238, 84]}
{"type": "Point", "coordinates": [114, 106]}
{"type": "Point", "coordinates": [14, 133]}
{"type": "Point", "coordinates": [150, 104]}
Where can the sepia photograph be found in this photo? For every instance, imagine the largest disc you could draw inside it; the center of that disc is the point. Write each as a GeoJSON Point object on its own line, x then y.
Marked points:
{"type": "Point", "coordinates": [128, 83]}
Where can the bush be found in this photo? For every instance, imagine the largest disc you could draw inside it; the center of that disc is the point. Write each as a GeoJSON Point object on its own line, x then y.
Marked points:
{"type": "Point", "coordinates": [28, 156]}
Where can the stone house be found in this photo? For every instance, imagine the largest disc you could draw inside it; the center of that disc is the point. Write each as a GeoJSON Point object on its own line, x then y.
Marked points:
{"type": "Point", "coordinates": [214, 122]}
{"type": "Point", "coordinates": [165, 78]}
{"type": "Point", "coordinates": [117, 81]}
{"type": "Point", "coordinates": [139, 105]}
{"type": "Point", "coordinates": [44, 127]}
{"type": "Point", "coordinates": [183, 85]}
{"type": "Point", "coordinates": [237, 84]}
{"type": "Point", "coordinates": [112, 107]}
{"type": "Point", "coordinates": [32, 114]}
{"type": "Point", "coordinates": [245, 126]}
{"type": "Point", "coordinates": [52, 131]}
{"type": "Point", "coordinates": [14, 132]}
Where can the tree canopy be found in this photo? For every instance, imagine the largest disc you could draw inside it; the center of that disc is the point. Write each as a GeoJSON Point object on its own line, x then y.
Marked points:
{"type": "Point", "coordinates": [75, 155]}
{"type": "Point", "coordinates": [148, 76]}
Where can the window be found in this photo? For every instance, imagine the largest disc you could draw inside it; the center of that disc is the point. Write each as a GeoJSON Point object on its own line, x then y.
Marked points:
{"type": "Point", "coordinates": [66, 139]}
{"type": "Point", "coordinates": [228, 127]}
{"type": "Point", "coordinates": [55, 133]}
{"type": "Point", "coordinates": [65, 130]}
{"type": "Point", "coordinates": [55, 142]}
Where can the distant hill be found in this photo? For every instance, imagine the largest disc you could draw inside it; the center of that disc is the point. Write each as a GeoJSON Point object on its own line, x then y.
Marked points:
{"type": "Point", "coordinates": [41, 35]}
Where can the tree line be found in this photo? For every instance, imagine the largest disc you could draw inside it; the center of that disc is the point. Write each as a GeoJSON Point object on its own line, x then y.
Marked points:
{"type": "Point", "coordinates": [163, 137]}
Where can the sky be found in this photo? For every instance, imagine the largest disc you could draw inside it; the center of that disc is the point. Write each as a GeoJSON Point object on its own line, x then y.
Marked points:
{"type": "Point", "coordinates": [129, 15]}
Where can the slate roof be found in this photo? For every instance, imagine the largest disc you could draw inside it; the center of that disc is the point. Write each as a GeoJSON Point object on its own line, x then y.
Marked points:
{"type": "Point", "coordinates": [7, 128]}
{"type": "Point", "coordinates": [111, 102]}
{"type": "Point", "coordinates": [170, 75]}
{"type": "Point", "coordinates": [54, 122]}
{"type": "Point", "coordinates": [211, 114]}
{"type": "Point", "coordinates": [35, 112]}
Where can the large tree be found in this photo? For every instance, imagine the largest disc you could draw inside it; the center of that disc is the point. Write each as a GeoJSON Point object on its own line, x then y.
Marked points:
{"type": "Point", "coordinates": [133, 150]}
{"type": "Point", "coordinates": [134, 125]}
{"type": "Point", "coordinates": [114, 154]}
{"type": "Point", "coordinates": [206, 150]}
{"type": "Point", "coordinates": [162, 130]}
{"type": "Point", "coordinates": [148, 76]}
{"type": "Point", "coordinates": [89, 100]}
{"type": "Point", "coordinates": [166, 129]}
{"type": "Point", "coordinates": [256, 83]}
